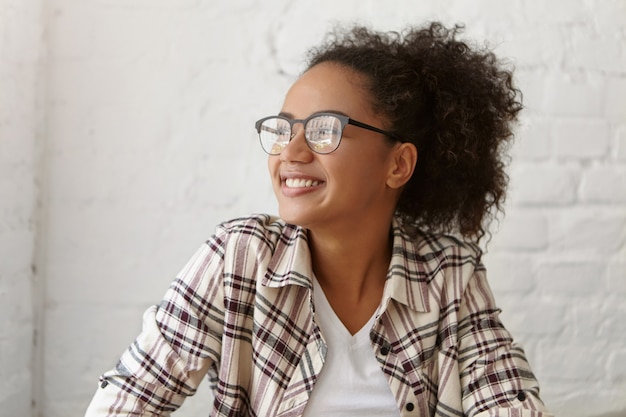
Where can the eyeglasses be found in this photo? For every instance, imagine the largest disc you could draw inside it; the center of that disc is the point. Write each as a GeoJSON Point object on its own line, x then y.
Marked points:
{"type": "Point", "coordinates": [322, 131]}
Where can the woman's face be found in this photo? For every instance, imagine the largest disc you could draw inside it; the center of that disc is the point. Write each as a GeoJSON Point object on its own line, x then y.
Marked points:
{"type": "Point", "coordinates": [348, 186]}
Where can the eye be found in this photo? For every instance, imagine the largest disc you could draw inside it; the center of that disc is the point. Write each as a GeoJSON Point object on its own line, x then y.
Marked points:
{"type": "Point", "coordinates": [277, 127]}
{"type": "Point", "coordinates": [326, 132]}
{"type": "Point", "coordinates": [283, 134]}
{"type": "Point", "coordinates": [323, 128]}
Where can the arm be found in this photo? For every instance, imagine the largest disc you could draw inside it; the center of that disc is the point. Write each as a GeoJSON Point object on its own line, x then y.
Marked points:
{"type": "Point", "coordinates": [179, 342]}
{"type": "Point", "coordinates": [495, 376]}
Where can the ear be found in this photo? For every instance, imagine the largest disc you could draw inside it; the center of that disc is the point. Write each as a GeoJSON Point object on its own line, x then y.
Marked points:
{"type": "Point", "coordinates": [402, 165]}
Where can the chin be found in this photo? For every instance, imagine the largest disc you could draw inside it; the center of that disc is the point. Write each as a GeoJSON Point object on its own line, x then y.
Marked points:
{"type": "Point", "coordinates": [290, 218]}
{"type": "Point", "coordinates": [293, 216]}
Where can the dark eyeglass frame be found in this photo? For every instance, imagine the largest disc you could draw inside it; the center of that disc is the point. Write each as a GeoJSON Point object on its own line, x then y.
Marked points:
{"type": "Point", "coordinates": [343, 120]}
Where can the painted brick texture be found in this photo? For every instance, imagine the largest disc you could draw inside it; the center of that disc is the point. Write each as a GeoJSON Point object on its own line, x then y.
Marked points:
{"type": "Point", "coordinates": [21, 31]}
{"type": "Point", "coordinates": [149, 143]}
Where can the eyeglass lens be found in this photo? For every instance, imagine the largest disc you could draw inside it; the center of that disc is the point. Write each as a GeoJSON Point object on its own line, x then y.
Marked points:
{"type": "Point", "coordinates": [322, 133]}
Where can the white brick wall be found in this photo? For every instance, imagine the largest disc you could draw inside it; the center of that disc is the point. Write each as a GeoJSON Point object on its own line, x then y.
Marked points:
{"type": "Point", "coordinates": [149, 144]}
{"type": "Point", "coordinates": [20, 127]}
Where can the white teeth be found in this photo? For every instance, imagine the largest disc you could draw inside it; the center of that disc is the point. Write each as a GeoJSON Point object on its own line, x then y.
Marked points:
{"type": "Point", "coordinates": [300, 183]}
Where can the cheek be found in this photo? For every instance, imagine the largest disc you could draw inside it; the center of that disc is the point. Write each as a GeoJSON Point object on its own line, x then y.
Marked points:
{"type": "Point", "coordinates": [360, 165]}
{"type": "Point", "coordinates": [272, 167]}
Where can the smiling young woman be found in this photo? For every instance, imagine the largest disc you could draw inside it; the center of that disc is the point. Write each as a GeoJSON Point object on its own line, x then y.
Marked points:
{"type": "Point", "coordinates": [355, 300]}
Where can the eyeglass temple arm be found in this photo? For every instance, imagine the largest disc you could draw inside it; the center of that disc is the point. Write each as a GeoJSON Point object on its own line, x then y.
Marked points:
{"type": "Point", "coordinates": [372, 128]}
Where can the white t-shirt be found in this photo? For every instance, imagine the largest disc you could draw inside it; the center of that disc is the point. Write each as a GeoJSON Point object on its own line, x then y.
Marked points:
{"type": "Point", "coordinates": [351, 382]}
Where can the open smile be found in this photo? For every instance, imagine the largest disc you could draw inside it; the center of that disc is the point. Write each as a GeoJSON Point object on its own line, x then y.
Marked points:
{"type": "Point", "coordinates": [301, 183]}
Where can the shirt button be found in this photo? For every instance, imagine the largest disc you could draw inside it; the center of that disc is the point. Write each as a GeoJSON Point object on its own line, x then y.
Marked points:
{"type": "Point", "coordinates": [409, 407]}
{"type": "Point", "coordinates": [104, 384]}
{"type": "Point", "coordinates": [384, 350]}
{"type": "Point", "coordinates": [521, 396]}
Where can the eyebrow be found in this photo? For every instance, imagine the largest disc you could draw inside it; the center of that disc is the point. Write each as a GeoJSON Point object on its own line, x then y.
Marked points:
{"type": "Point", "coordinates": [290, 115]}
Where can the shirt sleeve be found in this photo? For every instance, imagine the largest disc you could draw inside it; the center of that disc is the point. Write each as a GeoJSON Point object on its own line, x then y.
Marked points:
{"type": "Point", "coordinates": [179, 343]}
{"type": "Point", "coordinates": [496, 378]}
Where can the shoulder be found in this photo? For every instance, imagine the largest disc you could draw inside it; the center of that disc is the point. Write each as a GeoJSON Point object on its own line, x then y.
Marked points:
{"type": "Point", "coordinates": [437, 256]}
{"type": "Point", "coordinates": [276, 253]}
{"type": "Point", "coordinates": [260, 229]}
{"type": "Point", "coordinates": [424, 245]}
{"type": "Point", "coordinates": [447, 247]}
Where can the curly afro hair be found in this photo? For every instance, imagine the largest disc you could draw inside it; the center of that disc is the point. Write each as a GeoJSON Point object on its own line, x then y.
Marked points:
{"type": "Point", "coordinates": [455, 102]}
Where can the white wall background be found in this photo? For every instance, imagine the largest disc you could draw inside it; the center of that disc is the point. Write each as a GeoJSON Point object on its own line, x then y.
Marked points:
{"type": "Point", "coordinates": [126, 135]}
{"type": "Point", "coordinates": [21, 113]}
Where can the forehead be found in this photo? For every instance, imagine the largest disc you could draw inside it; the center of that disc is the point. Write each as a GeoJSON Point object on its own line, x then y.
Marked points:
{"type": "Point", "coordinates": [326, 87]}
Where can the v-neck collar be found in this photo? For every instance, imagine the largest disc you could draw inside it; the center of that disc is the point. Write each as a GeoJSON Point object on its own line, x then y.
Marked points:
{"type": "Point", "coordinates": [329, 321]}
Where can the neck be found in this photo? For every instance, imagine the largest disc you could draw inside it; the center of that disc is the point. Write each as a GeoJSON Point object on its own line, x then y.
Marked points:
{"type": "Point", "coordinates": [351, 267]}
{"type": "Point", "coordinates": [353, 262]}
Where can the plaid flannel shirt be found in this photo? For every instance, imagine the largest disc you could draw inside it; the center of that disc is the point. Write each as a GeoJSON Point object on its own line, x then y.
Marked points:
{"type": "Point", "coordinates": [241, 311]}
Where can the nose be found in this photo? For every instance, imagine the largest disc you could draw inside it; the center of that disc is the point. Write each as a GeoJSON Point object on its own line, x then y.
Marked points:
{"type": "Point", "coordinates": [297, 149]}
